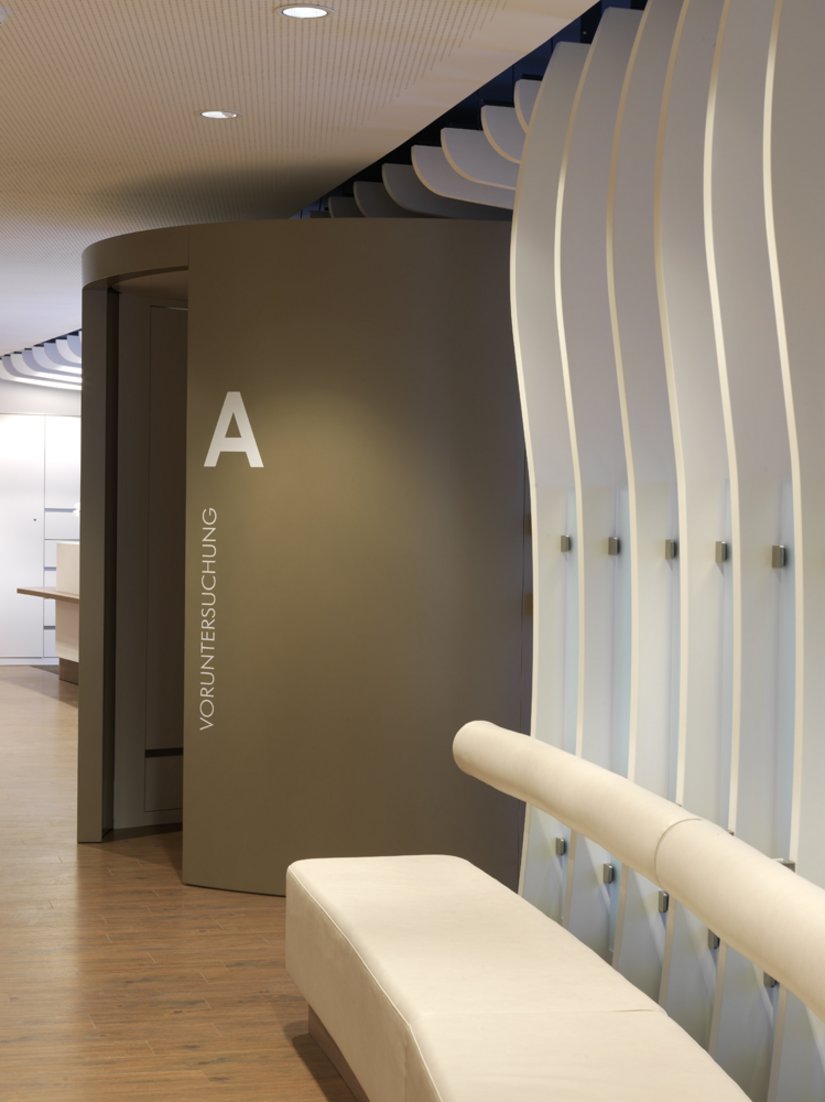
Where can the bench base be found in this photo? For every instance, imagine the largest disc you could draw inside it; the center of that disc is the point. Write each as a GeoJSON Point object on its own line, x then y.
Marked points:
{"type": "Point", "coordinates": [318, 1032]}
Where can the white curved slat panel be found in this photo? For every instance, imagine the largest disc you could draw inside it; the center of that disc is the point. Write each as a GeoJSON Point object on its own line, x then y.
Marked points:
{"type": "Point", "coordinates": [34, 366]}
{"type": "Point", "coordinates": [643, 398]}
{"type": "Point", "coordinates": [74, 345]}
{"type": "Point", "coordinates": [589, 370]}
{"type": "Point", "coordinates": [651, 472]}
{"type": "Point", "coordinates": [689, 972]}
{"type": "Point", "coordinates": [24, 365]}
{"type": "Point", "coordinates": [503, 131]}
{"type": "Point", "coordinates": [756, 431]}
{"type": "Point", "coordinates": [689, 968]}
{"type": "Point", "coordinates": [798, 1067]}
{"type": "Point", "coordinates": [472, 156]}
{"type": "Point", "coordinates": [794, 184]}
{"type": "Point", "coordinates": [435, 172]}
{"type": "Point", "coordinates": [582, 302]}
{"type": "Point", "coordinates": [524, 100]}
{"type": "Point", "coordinates": [39, 359]}
{"type": "Point", "coordinates": [9, 372]}
{"type": "Point", "coordinates": [404, 187]}
{"type": "Point", "coordinates": [549, 461]}
{"type": "Point", "coordinates": [795, 163]}
{"type": "Point", "coordinates": [696, 405]}
{"type": "Point", "coordinates": [759, 461]}
{"type": "Point", "coordinates": [55, 356]}
{"type": "Point", "coordinates": [742, 1023]}
{"type": "Point", "coordinates": [69, 350]}
{"type": "Point", "coordinates": [373, 201]}
{"type": "Point", "coordinates": [342, 206]}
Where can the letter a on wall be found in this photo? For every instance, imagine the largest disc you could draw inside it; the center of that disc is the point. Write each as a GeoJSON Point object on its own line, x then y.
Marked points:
{"type": "Point", "coordinates": [233, 409]}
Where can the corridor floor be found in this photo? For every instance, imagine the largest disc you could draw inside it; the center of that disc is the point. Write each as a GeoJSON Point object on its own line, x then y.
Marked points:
{"type": "Point", "coordinates": [116, 980]}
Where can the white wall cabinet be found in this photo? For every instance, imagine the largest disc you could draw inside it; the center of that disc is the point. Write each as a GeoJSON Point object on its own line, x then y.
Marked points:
{"type": "Point", "coordinates": [39, 493]}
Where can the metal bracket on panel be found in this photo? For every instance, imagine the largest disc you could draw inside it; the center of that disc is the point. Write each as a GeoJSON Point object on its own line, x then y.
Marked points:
{"type": "Point", "coordinates": [614, 545]}
{"type": "Point", "coordinates": [664, 902]}
{"type": "Point", "coordinates": [721, 551]}
{"type": "Point", "coordinates": [566, 543]}
{"type": "Point", "coordinates": [561, 847]}
{"type": "Point", "coordinates": [608, 873]}
{"type": "Point", "coordinates": [778, 556]}
{"type": "Point", "coordinates": [671, 549]}
{"type": "Point", "coordinates": [713, 940]}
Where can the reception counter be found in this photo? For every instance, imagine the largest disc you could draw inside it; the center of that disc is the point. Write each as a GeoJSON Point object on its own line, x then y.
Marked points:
{"type": "Point", "coordinates": [66, 595]}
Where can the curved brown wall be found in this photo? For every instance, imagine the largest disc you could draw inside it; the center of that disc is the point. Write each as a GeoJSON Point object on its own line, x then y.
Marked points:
{"type": "Point", "coordinates": [369, 577]}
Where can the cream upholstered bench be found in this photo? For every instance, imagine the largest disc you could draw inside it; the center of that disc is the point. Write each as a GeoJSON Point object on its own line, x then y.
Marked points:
{"type": "Point", "coordinates": [428, 980]}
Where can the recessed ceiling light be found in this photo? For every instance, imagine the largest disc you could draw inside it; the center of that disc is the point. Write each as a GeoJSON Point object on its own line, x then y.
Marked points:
{"type": "Point", "coordinates": [219, 114]}
{"type": "Point", "coordinates": [305, 11]}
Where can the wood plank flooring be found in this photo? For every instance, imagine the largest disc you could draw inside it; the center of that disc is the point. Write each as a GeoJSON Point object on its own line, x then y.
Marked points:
{"type": "Point", "coordinates": [116, 980]}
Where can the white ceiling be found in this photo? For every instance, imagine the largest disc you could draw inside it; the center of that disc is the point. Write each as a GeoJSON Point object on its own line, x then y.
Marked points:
{"type": "Point", "coordinates": [100, 132]}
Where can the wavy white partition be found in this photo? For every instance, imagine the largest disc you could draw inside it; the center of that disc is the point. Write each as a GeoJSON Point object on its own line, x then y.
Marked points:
{"type": "Point", "coordinates": [716, 337]}
{"type": "Point", "coordinates": [794, 166]}
{"type": "Point", "coordinates": [651, 472]}
{"type": "Point", "coordinates": [503, 131]}
{"type": "Point", "coordinates": [582, 303]}
{"type": "Point", "coordinates": [549, 460]}
{"type": "Point", "coordinates": [689, 970]}
{"type": "Point", "coordinates": [759, 463]}
{"type": "Point", "coordinates": [472, 156]}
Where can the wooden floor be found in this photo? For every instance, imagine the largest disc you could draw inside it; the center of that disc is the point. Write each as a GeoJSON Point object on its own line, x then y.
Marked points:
{"type": "Point", "coordinates": [116, 980]}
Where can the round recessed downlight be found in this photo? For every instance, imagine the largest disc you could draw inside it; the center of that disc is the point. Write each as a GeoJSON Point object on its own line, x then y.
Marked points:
{"type": "Point", "coordinates": [304, 11]}
{"type": "Point", "coordinates": [216, 113]}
